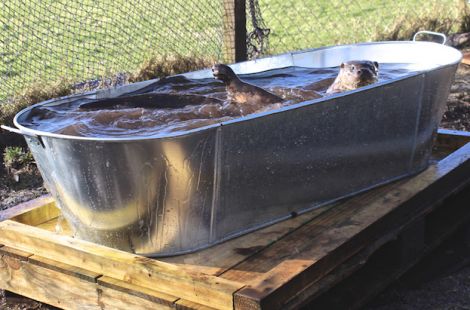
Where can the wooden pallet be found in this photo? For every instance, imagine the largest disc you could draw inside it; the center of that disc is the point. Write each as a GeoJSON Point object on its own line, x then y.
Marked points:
{"type": "Point", "coordinates": [351, 249]}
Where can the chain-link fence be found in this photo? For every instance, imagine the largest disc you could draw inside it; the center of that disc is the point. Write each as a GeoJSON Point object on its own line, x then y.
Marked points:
{"type": "Point", "coordinates": [77, 40]}
{"type": "Point", "coordinates": [300, 24]}
{"type": "Point", "coordinates": [83, 39]}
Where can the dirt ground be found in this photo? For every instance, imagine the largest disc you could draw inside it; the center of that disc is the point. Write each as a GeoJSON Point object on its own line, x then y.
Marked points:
{"type": "Point", "coordinates": [439, 282]}
{"type": "Point", "coordinates": [457, 115]}
{"type": "Point", "coordinates": [13, 193]}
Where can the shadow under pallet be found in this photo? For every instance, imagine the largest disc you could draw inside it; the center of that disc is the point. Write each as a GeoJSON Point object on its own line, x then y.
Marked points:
{"type": "Point", "coordinates": [325, 257]}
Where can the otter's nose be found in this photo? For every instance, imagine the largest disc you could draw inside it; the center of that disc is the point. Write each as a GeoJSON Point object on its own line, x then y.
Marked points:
{"type": "Point", "coordinates": [366, 74]}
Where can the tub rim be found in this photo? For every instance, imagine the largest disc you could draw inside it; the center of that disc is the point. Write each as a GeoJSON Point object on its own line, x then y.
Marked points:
{"type": "Point", "coordinates": [181, 134]}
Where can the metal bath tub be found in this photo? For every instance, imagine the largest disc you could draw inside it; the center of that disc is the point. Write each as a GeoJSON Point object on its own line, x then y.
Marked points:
{"type": "Point", "coordinates": [177, 193]}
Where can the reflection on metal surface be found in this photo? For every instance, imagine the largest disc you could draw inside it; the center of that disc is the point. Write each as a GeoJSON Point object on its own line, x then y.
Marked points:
{"type": "Point", "coordinates": [178, 193]}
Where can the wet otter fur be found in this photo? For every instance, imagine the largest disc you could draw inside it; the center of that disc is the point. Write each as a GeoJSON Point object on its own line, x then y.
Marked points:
{"type": "Point", "coordinates": [354, 74]}
{"type": "Point", "coordinates": [243, 93]}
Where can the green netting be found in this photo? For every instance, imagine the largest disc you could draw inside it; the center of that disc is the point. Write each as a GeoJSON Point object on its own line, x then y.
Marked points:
{"type": "Point", "coordinates": [78, 40]}
{"type": "Point", "coordinates": [84, 39]}
{"type": "Point", "coordinates": [301, 24]}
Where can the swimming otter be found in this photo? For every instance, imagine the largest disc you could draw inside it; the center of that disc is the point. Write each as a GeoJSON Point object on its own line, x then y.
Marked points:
{"type": "Point", "coordinates": [241, 92]}
{"type": "Point", "coordinates": [354, 74]}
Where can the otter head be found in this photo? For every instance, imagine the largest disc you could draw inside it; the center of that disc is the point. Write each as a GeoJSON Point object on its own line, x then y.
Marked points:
{"type": "Point", "coordinates": [223, 73]}
{"type": "Point", "coordinates": [359, 73]}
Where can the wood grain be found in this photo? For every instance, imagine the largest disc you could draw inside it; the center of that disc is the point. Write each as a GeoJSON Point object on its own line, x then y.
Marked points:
{"type": "Point", "coordinates": [57, 225]}
{"type": "Point", "coordinates": [138, 291]}
{"type": "Point", "coordinates": [134, 269]}
{"type": "Point", "coordinates": [298, 259]}
{"type": "Point", "coordinates": [45, 285]}
{"type": "Point", "coordinates": [221, 257]}
{"type": "Point", "coordinates": [234, 18]}
{"type": "Point", "coordinates": [67, 286]}
{"type": "Point", "coordinates": [31, 210]}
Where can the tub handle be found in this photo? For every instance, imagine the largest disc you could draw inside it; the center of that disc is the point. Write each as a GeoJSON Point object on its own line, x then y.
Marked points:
{"type": "Point", "coordinates": [437, 34]}
{"type": "Point", "coordinates": [37, 138]}
{"type": "Point", "coordinates": [11, 129]}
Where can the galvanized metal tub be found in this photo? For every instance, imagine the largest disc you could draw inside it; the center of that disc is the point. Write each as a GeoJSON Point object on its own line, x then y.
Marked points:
{"type": "Point", "coordinates": [177, 193]}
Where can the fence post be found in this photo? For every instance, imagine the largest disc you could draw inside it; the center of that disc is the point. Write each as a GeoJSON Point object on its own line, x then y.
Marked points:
{"type": "Point", "coordinates": [234, 31]}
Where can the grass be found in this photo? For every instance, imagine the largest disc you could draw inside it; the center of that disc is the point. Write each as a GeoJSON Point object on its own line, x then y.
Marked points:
{"type": "Point", "coordinates": [47, 46]}
{"type": "Point", "coordinates": [42, 40]}
{"type": "Point", "coordinates": [315, 23]}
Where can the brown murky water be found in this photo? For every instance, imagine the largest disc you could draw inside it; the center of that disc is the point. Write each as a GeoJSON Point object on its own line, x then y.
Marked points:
{"type": "Point", "coordinates": [179, 104]}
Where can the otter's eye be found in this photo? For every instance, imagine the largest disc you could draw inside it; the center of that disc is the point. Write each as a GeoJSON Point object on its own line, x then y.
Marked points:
{"type": "Point", "coordinates": [353, 68]}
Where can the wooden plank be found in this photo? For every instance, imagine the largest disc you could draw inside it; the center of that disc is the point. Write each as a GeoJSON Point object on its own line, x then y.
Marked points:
{"type": "Point", "coordinates": [452, 139]}
{"type": "Point", "coordinates": [123, 301]}
{"type": "Point", "coordinates": [138, 291]}
{"type": "Point", "coordinates": [221, 257]}
{"type": "Point", "coordinates": [130, 296]}
{"type": "Point", "coordinates": [299, 242]}
{"type": "Point", "coordinates": [336, 276]}
{"type": "Point", "coordinates": [56, 225]}
{"type": "Point", "coordinates": [63, 291]}
{"type": "Point", "coordinates": [346, 269]}
{"type": "Point", "coordinates": [319, 246]}
{"type": "Point", "coordinates": [234, 18]}
{"type": "Point", "coordinates": [67, 269]}
{"type": "Point", "coordinates": [188, 305]}
{"type": "Point", "coordinates": [376, 275]}
{"type": "Point", "coordinates": [66, 286]}
{"type": "Point", "coordinates": [138, 270]}
{"type": "Point", "coordinates": [39, 215]}
{"type": "Point", "coordinates": [18, 254]}
{"type": "Point", "coordinates": [32, 212]}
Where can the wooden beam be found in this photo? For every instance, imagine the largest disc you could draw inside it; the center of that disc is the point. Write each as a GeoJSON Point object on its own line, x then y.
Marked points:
{"type": "Point", "coordinates": [137, 291]}
{"type": "Point", "coordinates": [21, 212]}
{"type": "Point", "coordinates": [19, 276]}
{"type": "Point", "coordinates": [163, 277]}
{"type": "Point", "coordinates": [67, 286]}
{"type": "Point", "coordinates": [220, 258]}
{"type": "Point", "coordinates": [452, 139]}
{"type": "Point", "coordinates": [235, 49]}
{"type": "Point", "coordinates": [362, 286]}
{"type": "Point", "coordinates": [334, 239]}
{"type": "Point", "coordinates": [187, 305]}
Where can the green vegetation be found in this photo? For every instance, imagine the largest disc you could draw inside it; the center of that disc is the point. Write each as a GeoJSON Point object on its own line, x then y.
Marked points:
{"type": "Point", "coordinates": [15, 157]}
{"type": "Point", "coordinates": [48, 40]}
{"type": "Point", "coordinates": [305, 24]}
{"type": "Point", "coordinates": [33, 93]}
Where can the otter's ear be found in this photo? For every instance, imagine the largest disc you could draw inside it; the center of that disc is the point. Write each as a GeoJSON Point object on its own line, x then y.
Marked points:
{"type": "Point", "coordinates": [342, 65]}
{"type": "Point", "coordinates": [376, 64]}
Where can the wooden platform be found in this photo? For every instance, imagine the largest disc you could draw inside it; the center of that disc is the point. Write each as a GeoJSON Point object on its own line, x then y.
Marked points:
{"type": "Point", "coordinates": [334, 257]}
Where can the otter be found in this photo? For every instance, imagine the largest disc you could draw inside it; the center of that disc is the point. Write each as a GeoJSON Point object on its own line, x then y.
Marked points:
{"type": "Point", "coordinates": [242, 93]}
{"type": "Point", "coordinates": [354, 74]}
